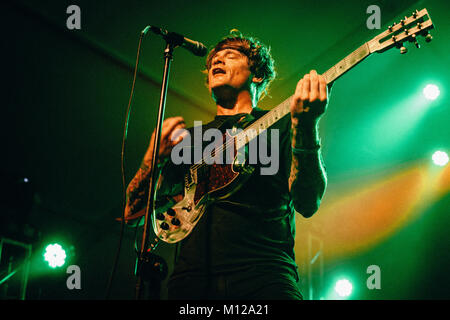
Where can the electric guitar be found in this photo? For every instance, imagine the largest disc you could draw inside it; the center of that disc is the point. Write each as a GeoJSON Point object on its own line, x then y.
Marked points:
{"type": "Point", "coordinates": [175, 217]}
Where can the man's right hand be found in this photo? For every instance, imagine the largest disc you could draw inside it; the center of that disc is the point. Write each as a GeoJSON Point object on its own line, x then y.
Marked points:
{"type": "Point", "coordinates": [170, 136]}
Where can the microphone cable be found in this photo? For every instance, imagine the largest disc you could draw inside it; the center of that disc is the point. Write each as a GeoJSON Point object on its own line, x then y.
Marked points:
{"type": "Point", "coordinates": [122, 161]}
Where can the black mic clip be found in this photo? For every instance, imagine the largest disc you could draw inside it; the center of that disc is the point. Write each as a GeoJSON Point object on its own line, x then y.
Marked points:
{"type": "Point", "coordinates": [177, 40]}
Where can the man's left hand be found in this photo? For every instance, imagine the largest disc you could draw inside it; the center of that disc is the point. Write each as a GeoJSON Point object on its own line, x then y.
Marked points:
{"type": "Point", "coordinates": [310, 100]}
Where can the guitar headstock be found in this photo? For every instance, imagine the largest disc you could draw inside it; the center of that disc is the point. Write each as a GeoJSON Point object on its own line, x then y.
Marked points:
{"type": "Point", "coordinates": [407, 30]}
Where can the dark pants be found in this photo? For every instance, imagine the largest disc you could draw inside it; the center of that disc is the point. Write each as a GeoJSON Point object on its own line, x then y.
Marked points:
{"type": "Point", "coordinates": [251, 284]}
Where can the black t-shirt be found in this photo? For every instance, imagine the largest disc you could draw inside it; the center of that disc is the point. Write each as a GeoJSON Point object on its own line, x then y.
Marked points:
{"type": "Point", "coordinates": [254, 226]}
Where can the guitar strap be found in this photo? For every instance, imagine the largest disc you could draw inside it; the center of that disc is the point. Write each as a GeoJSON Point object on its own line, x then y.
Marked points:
{"type": "Point", "coordinates": [240, 120]}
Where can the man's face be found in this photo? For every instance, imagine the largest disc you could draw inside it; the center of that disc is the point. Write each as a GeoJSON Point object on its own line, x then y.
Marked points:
{"type": "Point", "coordinates": [229, 68]}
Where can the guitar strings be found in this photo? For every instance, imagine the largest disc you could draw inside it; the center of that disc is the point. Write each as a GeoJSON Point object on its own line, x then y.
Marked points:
{"type": "Point", "coordinates": [254, 126]}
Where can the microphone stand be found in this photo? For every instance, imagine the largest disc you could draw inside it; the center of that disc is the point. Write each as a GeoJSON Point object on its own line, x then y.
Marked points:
{"type": "Point", "coordinates": [144, 256]}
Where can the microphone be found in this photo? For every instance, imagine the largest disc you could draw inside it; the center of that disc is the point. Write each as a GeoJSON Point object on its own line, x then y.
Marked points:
{"type": "Point", "coordinates": [177, 39]}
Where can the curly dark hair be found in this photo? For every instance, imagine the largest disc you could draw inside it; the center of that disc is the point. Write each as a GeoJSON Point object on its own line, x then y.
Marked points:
{"type": "Point", "coordinates": [261, 62]}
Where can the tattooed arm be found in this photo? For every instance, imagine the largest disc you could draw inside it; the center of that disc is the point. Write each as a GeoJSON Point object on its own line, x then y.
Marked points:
{"type": "Point", "coordinates": [307, 181]}
{"type": "Point", "coordinates": [137, 190]}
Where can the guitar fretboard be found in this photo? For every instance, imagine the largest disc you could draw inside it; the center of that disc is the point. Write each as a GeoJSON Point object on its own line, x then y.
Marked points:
{"type": "Point", "coordinates": [347, 63]}
{"type": "Point", "coordinates": [283, 108]}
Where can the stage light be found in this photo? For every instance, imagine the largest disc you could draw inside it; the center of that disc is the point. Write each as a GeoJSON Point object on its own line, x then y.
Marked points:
{"type": "Point", "coordinates": [431, 91]}
{"type": "Point", "coordinates": [55, 255]}
{"type": "Point", "coordinates": [440, 158]}
{"type": "Point", "coordinates": [343, 288]}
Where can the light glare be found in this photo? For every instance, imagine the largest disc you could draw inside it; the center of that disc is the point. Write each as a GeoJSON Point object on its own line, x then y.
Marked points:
{"type": "Point", "coordinates": [343, 287]}
{"type": "Point", "coordinates": [431, 92]}
{"type": "Point", "coordinates": [55, 255]}
{"type": "Point", "coordinates": [440, 158]}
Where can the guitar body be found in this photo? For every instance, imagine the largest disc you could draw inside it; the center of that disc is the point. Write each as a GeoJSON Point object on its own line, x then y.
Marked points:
{"type": "Point", "coordinates": [175, 218]}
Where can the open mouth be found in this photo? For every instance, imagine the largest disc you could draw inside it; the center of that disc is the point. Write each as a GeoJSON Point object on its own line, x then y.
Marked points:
{"type": "Point", "coordinates": [216, 71]}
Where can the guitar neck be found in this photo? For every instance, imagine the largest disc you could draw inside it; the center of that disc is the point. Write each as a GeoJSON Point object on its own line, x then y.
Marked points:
{"type": "Point", "coordinates": [283, 108]}
{"type": "Point", "coordinates": [347, 63]}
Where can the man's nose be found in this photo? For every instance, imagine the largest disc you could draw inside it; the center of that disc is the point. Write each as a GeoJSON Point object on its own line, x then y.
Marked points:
{"type": "Point", "coordinates": [218, 60]}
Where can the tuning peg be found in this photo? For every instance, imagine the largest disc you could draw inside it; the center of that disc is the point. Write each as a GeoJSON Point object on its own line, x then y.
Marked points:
{"type": "Point", "coordinates": [414, 39]}
{"type": "Point", "coordinates": [402, 48]}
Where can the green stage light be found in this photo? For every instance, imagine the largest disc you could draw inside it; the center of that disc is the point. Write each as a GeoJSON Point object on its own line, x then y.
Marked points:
{"type": "Point", "coordinates": [55, 255]}
{"type": "Point", "coordinates": [431, 91]}
{"type": "Point", "coordinates": [343, 287]}
{"type": "Point", "coordinates": [440, 158]}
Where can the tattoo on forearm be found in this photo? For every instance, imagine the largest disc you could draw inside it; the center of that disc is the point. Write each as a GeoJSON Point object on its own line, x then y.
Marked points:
{"type": "Point", "coordinates": [137, 190]}
{"type": "Point", "coordinates": [307, 173]}
{"type": "Point", "coordinates": [294, 171]}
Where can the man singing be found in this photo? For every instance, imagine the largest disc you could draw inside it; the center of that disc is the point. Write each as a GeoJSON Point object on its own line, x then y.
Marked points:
{"type": "Point", "coordinates": [243, 246]}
